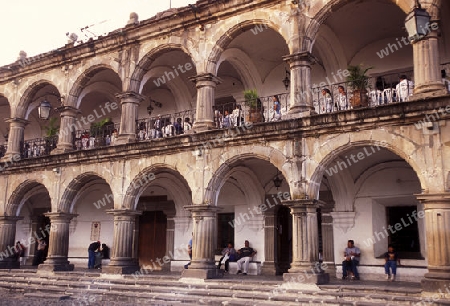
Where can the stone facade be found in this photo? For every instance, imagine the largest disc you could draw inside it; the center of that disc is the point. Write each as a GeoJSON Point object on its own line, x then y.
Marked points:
{"type": "Point", "coordinates": [346, 167]}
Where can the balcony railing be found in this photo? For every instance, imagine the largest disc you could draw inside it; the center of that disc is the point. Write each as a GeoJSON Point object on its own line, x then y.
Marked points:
{"type": "Point", "coordinates": [167, 125]}
{"type": "Point", "coordinates": [38, 147]}
{"type": "Point", "coordinates": [96, 137]}
{"type": "Point", "coordinates": [330, 98]}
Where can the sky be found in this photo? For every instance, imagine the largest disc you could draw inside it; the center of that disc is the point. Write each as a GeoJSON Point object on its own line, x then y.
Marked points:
{"type": "Point", "coordinates": [41, 26]}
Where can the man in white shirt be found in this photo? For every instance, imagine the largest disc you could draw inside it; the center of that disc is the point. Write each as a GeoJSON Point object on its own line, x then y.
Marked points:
{"type": "Point", "coordinates": [352, 255]}
{"type": "Point", "coordinates": [404, 89]}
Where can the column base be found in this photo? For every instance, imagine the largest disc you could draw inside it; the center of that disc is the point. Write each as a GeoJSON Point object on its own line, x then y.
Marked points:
{"type": "Point", "coordinates": [428, 92]}
{"type": "Point", "coordinates": [62, 150]}
{"type": "Point", "coordinates": [9, 264]}
{"type": "Point", "coordinates": [203, 126]}
{"type": "Point", "coordinates": [121, 267]}
{"type": "Point", "coordinates": [200, 273]}
{"type": "Point", "coordinates": [434, 282]}
{"type": "Point", "coordinates": [300, 112]}
{"type": "Point", "coordinates": [269, 268]}
{"type": "Point", "coordinates": [307, 278]}
{"type": "Point", "coordinates": [124, 139]}
{"type": "Point", "coordinates": [55, 266]}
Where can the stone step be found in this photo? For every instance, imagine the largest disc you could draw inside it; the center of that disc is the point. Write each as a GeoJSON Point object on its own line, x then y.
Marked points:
{"type": "Point", "coordinates": [162, 290]}
{"type": "Point", "coordinates": [39, 295]}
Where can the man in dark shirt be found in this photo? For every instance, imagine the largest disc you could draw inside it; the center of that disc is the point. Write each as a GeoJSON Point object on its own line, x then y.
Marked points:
{"type": "Point", "coordinates": [246, 254]}
{"type": "Point", "coordinates": [93, 247]}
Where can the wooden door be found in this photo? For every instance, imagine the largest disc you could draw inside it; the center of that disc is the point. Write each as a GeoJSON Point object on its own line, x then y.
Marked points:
{"type": "Point", "coordinates": [152, 238]}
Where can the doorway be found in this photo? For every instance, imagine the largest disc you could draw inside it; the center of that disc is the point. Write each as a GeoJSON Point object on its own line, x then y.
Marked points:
{"type": "Point", "coordinates": [284, 240]}
{"type": "Point", "coordinates": [152, 239]}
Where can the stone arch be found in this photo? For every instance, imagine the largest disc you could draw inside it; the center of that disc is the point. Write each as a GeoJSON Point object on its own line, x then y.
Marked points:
{"type": "Point", "coordinates": [146, 61]}
{"type": "Point", "coordinates": [21, 110]}
{"type": "Point", "coordinates": [159, 175]}
{"type": "Point", "coordinates": [220, 175]}
{"type": "Point", "coordinates": [228, 36]}
{"type": "Point", "coordinates": [245, 67]}
{"type": "Point", "coordinates": [323, 12]}
{"type": "Point", "coordinates": [72, 190]}
{"type": "Point", "coordinates": [82, 81]}
{"type": "Point", "coordinates": [314, 176]}
{"type": "Point", "coordinates": [21, 194]}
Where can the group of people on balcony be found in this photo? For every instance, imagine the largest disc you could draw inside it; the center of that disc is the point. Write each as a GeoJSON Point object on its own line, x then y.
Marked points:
{"type": "Point", "coordinates": [162, 128]}
{"type": "Point", "coordinates": [38, 148]}
{"type": "Point", "coordinates": [382, 94]}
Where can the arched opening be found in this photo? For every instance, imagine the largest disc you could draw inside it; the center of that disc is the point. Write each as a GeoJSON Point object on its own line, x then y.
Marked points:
{"type": "Point", "coordinates": [89, 197]}
{"type": "Point", "coordinates": [40, 136]}
{"type": "Point", "coordinates": [369, 195]}
{"type": "Point", "coordinates": [4, 127]}
{"type": "Point", "coordinates": [30, 201]}
{"type": "Point", "coordinates": [353, 34]}
{"type": "Point", "coordinates": [245, 64]}
{"type": "Point", "coordinates": [163, 229]}
{"type": "Point", "coordinates": [250, 192]}
{"type": "Point", "coordinates": [164, 80]}
{"type": "Point", "coordinates": [94, 95]}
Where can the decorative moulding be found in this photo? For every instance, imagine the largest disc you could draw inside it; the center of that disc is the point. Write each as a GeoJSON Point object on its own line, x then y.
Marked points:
{"type": "Point", "coordinates": [343, 220]}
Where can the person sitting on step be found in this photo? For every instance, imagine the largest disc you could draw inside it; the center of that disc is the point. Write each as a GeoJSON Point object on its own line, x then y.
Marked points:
{"type": "Point", "coordinates": [246, 254]}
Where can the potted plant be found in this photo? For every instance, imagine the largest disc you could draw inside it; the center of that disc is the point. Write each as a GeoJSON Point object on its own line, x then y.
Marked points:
{"type": "Point", "coordinates": [51, 135]}
{"type": "Point", "coordinates": [255, 106]}
{"type": "Point", "coordinates": [358, 82]}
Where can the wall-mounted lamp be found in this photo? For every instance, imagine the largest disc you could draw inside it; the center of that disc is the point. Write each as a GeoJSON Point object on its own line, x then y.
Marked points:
{"type": "Point", "coordinates": [150, 108]}
{"type": "Point", "coordinates": [417, 23]}
{"type": "Point", "coordinates": [287, 79]}
{"type": "Point", "coordinates": [277, 181]}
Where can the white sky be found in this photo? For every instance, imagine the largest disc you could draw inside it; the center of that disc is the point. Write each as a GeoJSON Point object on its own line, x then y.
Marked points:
{"type": "Point", "coordinates": [38, 26]}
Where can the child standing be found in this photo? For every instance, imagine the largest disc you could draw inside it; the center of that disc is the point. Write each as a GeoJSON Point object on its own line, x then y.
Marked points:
{"type": "Point", "coordinates": [391, 257]}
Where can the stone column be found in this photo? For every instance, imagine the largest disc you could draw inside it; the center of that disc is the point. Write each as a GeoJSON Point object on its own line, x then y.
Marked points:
{"type": "Point", "coordinates": [170, 238]}
{"type": "Point", "coordinates": [305, 266]}
{"type": "Point", "coordinates": [328, 243]}
{"type": "Point", "coordinates": [427, 72]}
{"type": "Point", "coordinates": [204, 242]}
{"type": "Point", "coordinates": [66, 129]}
{"type": "Point", "coordinates": [15, 138]}
{"type": "Point", "coordinates": [32, 247]}
{"type": "Point", "coordinates": [206, 84]}
{"type": "Point", "coordinates": [301, 95]}
{"type": "Point", "coordinates": [7, 241]}
{"type": "Point", "coordinates": [269, 267]}
{"type": "Point", "coordinates": [58, 246]}
{"type": "Point", "coordinates": [130, 102]}
{"type": "Point", "coordinates": [437, 224]}
{"type": "Point", "coordinates": [122, 260]}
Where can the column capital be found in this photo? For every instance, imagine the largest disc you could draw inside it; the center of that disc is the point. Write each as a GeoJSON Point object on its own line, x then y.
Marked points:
{"type": "Point", "coordinates": [68, 111]}
{"type": "Point", "coordinates": [303, 205]}
{"type": "Point", "coordinates": [17, 121]}
{"type": "Point", "coordinates": [9, 219]}
{"type": "Point", "coordinates": [434, 200]}
{"type": "Point", "coordinates": [60, 216]}
{"type": "Point", "coordinates": [130, 97]}
{"type": "Point", "coordinates": [305, 58]}
{"type": "Point", "coordinates": [200, 211]}
{"type": "Point", "coordinates": [124, 212]}
{"type": "Point", "coordinates": [199, 79]}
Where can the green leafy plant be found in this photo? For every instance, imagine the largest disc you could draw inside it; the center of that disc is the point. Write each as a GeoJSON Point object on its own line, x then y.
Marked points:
{"type": "Point", "coordinates": [97, 127]}
{"type": "Point", "coordinates": [358, 79]}
{"type": "Point", "coordinates": [251, 98]}
{"type": "Point", "coordinates": [51, 129]}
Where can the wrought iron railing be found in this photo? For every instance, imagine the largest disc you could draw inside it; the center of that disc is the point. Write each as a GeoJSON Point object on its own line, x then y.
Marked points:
{"type": "Point", "coordinates": [96, 137]}
{"type": "Point", "coordinates": [38, 147]}
{"type": "Point", "coordinates": [264, 109]}
{"type": "Point", "coordinates": [167, 125]}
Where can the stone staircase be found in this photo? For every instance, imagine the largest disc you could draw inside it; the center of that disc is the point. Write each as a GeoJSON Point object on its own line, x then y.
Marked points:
{"type": "Point", "coordinates": [87, 288]}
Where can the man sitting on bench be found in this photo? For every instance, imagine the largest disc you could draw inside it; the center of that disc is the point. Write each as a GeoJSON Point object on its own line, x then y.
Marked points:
{"type": "Point", "coordinates": [351, 260]}
{"type": "Point", "coordinates": [246, 255]}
